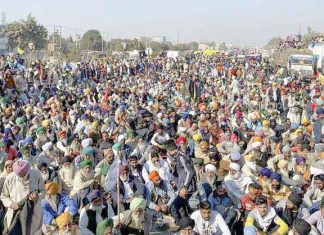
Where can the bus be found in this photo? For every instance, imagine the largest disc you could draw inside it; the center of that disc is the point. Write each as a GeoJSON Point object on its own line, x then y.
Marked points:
{"type": "Point", "coordinates": [301, 65]}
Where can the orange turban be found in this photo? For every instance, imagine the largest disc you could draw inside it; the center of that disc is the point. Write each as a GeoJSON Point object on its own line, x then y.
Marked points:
{"type": "Point", "coordinates": [52, 188]}
{"type": "Point", "coordinates": [154, 175]}
{"type": "Point", "coordinates": [61, 134]}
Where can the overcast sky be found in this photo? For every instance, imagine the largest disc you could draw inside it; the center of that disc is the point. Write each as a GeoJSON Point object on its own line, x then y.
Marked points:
{"type": "Point", "coordinates": [243, 22]}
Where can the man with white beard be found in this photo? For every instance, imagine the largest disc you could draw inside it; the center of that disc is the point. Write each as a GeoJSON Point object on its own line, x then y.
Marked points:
{"type": "Point", "coordinates": [93, 213]}
{"type": "Point", "coordinates": [84, 179]}
{"type": "Point", "coordinates": [41, 137]}
{"type": "Point", "coordinates": [47, 154]}
{"type": "Point", "coordinates": [48, 175]}
{"type": "Point", "coordinates": [207, 182]}
{"type": "Point", "coordinates": [64, 223]}
{"type": "Point", "coordinates": [67, 173]}
{"type": "Point", "coordinates": [236, 183]}
{"type": "Point", "coordinates": [135, 220]}
{"type": "Point", "coordinates": [62, 144]}
{"type": "Point", "coordinates": [53, 205]}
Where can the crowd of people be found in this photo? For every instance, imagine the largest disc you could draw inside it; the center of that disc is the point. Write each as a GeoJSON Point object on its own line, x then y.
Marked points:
{"type": "Point", "coordinates": [194, 145]}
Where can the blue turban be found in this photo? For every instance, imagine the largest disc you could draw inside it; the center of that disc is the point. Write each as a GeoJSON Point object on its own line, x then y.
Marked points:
{"type": "Point", "coordinates": [265, 172]}
{"type": "Point", "coordinates": [275, 176]}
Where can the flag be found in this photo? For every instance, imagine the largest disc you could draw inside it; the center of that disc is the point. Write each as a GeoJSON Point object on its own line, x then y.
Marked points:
{"type": "Point", "coordinates": [20, 51]}
{"type": "Point", "coordinates": [112, 176]}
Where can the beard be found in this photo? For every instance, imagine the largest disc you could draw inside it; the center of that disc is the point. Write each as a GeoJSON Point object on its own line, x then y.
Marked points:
{"type": "Point", "coordinates": [45, 176]}
{"type": "Point", "coordinates": [211, 180]}
{"type": "Point", "coordinates": [68, 171]}
{"type": "Point", "coordinates": [69, 232]}
{"type": "Point", "coordinates": [138, 220]}
{"type": "Point", "coordinates": [235, 176]}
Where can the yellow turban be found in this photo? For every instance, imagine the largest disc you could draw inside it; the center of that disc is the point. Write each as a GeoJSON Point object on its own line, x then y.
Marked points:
{"type": "Point", "coordinates": [265, 123]}
{"type": "Point", "coordinates": [249, 158]}
{"type": "Point", "coordinates": [203, 145]}
{"type": "Point", "coordinates": [63, 219]}
{"type": "Point", "coordinates": [196, 137]}
{"type": "Point", "coordinates": [52, 188]}
{"type": "Point", "coordinates": [46, 123]}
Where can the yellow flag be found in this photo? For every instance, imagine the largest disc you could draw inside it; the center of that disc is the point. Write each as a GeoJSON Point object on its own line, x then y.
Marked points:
{"type": "Point", "coordinates": [20, 51]}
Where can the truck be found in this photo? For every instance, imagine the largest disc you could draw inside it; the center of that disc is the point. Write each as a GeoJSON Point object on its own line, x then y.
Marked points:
{"type": "Point", "coordinates": [301, 65]}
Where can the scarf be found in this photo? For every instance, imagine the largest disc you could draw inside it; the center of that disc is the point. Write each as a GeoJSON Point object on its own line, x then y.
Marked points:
{"type": "Point", "coordinates": [265, 221]}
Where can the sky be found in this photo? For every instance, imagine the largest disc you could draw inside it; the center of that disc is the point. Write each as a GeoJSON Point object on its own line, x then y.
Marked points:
{"type": "Point", "coordinates": [241, 22]}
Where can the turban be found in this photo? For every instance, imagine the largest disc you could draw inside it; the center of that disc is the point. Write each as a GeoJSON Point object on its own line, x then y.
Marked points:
{"type": "Point", "coordinates": [320, 111]}
{"type": "Point", "coordinates": [20, 120]}
{"type": "Point", "coordinates": [265, 123]}
{"type": "Point", "coordinates": [196, 137]}
{"type": "Point", "coordinates": [116, 146]}
{"type": "Point", "coordinates": [87, 142]}
{"type": "Point", "coordinates": [94, 194]}
{"type": "Point", "coordinates": [300, 159]}
{"type": "Point", "coordinates": [21, 167]}
{"type": "Point", "coordinates": [256, 145]}
{"type": "Point", "coordinates": [238, 114]}
{"type": "Point", "coordinates": [265, 172]}
{"type": "Point", "coordinates": [302, 226]}
{"type": "Point", "coordinates": [203, 145]}
{"type": "Point", "coordinates": [122, 169]}
{"type": "Point", "coordinates": [275, 176]}
{"type": "Point", "coordinates": [295, 199]}
{"type": "Point", "coordinates": [8, 163]}
{"type": "Point", "coordinates": [182, 129]}
{"type": "Point", "coordinates": [234, 166]}
{"type": "Point", "coordinates": [154, 175]}
{"type": "Point", "coordinates": [121, 137]}
{"type": "Point", "coordinates": [210, 167]}
{"type": "Point", "coordinates": [181, 140]}
{"type": "Point", "coordinates": [103, 225]}
{"type": "Point", "coordinates": [61, 134]}
{"type": "Point", "coordinates": [186, 222]}
{"type": "Point", "coordinates": [131, 133]}
{"type": "Point", "coordinates": [259, 133]}
{"type": "Point", "coordinates": [85, 163]}
{"type": "Point", "coordinates": [137, 203]}
{"type": "Point", "coordinates": [87, 151]}
{"type": "Point", "coordinates": [282, 164]}
{"type": "Point", "coordinates": [235, 156]}
{"type": "Point", "coordinates": [52, 188]}
{"type": "Point", "coordinates": [47, 146]}
{"type": "Point", "coordinates": [46, 123]}
{"type": "Point", "coordinates": [63, 219]}
{"type": "Point", "coordinates": [40, 130]}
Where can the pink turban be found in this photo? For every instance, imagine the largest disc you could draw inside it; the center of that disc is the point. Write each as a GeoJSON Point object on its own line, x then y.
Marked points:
{"type": "Point", "coordinates": [21, 167]}
{"type": "Point", "coordinates": [259, 133]}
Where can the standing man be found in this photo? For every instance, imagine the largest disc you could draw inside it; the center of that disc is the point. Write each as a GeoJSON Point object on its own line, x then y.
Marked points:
{"type": "Point", "coordinates": [21, 195]}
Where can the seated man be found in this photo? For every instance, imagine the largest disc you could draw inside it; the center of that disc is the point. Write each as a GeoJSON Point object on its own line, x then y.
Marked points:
{"type": "Point", "coordinates": [208, 221]}
{"type": "Point", "coordinates": [264, 218]}
{"type": "Point", "coordinates": [65, 225]}
{"type": "Point", "coordinates": [93, 213]}
{"type": "Point", "coordinates": [135, 220]}
{"type": "Point", "coordinates": [180, 206]}
{"type": "Point", "coordinates": [207, 182]}
{"type": "Point", "coordinates": [291, 209]}
{"type": "Point", "coordinates": [248, 200]}
{"type": "Point", "coordinates": [53, 205]}
{"type": "Point", "coordinates": [315, 192]}
{"type": "Point", "coordinates": [236, 183]}
{"type": "Point", "coordinates": [276, 190]}
{"type": "Point", "coordinates": [160, 193]}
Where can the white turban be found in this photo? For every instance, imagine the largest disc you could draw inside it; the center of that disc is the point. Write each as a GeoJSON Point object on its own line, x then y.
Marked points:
{"type": "Point", "coordinates": [234, 166]}
{"type": "Point", "coordinates": [286, 148]}
{"type": "Point", "coordinates": [47, 146]}
{"type": "Point", "coordinates": [256, 145]}
{"type": "Point", "coordinates": [210, 167]}
{"type": "Point", "coordinates": [182, 129]}
{"type": "Point", "coordinates": [86, 142]}
{"type": "Point", "coordinates": [121, 137]}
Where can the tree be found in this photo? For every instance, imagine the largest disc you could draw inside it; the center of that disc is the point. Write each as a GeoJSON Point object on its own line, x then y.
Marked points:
{"type": "Point", "coordinates": [115, 45]}
{"type": "Point", "coordinates": [273, 43]}
{"type": "Point", "coordinates": [91, 40]}
{"type": "Point", "coordinates": [310, 37]}
{"type": "Point", "coordinates": [223, 47]}
{"type": "Point", "coordinates": [21, 33]}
